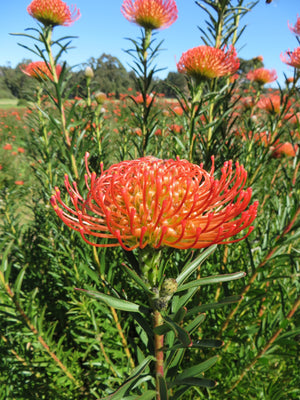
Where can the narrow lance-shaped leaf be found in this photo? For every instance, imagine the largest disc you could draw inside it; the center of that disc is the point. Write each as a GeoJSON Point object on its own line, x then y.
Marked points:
{"type": "Point", "coordinates": [118, 304]}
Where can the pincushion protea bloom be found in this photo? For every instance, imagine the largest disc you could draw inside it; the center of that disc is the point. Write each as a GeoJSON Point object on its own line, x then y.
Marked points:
{"type": "Point", "coordinates": [208, 62]}
{"type": "Point", "coordinates": [273, 103]}
{"type": "Point", "coordinates": [153, 202]}
{"type": "Point", "coordinates": [291, 58]}
{"type": "Point", "coordinates": [150, 14]}
{"type": "Point", "coordinates": [296, 28]}
{"type": "Point", "coordinates": [40, 70]}
{"type": "Point", "coordinates": [262, 75]}
{"type": "Point", "coordinates": [53, 12]}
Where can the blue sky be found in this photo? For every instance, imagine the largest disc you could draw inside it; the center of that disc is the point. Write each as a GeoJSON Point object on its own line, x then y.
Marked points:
{"type": "Point", "coordinates": [103, 29]}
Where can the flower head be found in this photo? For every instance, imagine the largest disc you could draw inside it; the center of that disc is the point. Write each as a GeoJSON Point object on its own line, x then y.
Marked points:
{"type": "Point", "coordinates": [284, 149]}
{"type": "Point", "coordinates": [150, 14]}
{"type": "Point", "coordinates": [273, 103]}
{"type": "Point", "coordinates": [153, 202]}
{"type": "Point", "coordinates": [296, 28]}
{"type": "Point", "coordinates": [40, 70]}
{"type": "Point", "coordinates": [53, 12]}
{"type": "Point", "coordinates": [208, 62]}
{"type": "Point", "coordinates": [262, 75]}
{"type": "Point", "coordinates": [291, 58]}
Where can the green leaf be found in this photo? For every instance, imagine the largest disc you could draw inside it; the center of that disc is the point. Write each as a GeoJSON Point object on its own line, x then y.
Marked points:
{"type": "Point", "coordinates": [195, 323]}
{"type": "Point", "coordinates": [212, 279]}
{"type": "Point", "coordinates": [137, 279]}
{"type": "Point", "coordinates": [192, 266]}
{"type": "Point", "coordinates": [199, 344]}
{"type": "Point", "coordinates": [162, 388]}
{"type": "Point", "coordinates": [135, 375]}
{"type": "Point", "coordinates": [197, 369]}
{"type": "Point", "coordinates": [118, 304]}
{"type": "Point", "coordinates": [209, 383]}
{"type": "Point", "coordinates": [180, 333]}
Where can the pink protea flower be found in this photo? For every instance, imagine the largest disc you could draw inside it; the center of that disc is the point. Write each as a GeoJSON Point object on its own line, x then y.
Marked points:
{"type": "Point", "coordinates": [205, 62]}
{"type": "Point", "coordinates": [291, 58]}
{"type": "Point", "coordinates": [296, 28]}
{"type": "Point", "coordinates": [262, 75]}
{"type": "Point", "coordinates": [40, 70]}
{"type": "Point", "coordinates": [150, 14]}
{"type": "Point", "coordinates": [53, 12]}
{"type": "Point", "coordinates": [153, 202]}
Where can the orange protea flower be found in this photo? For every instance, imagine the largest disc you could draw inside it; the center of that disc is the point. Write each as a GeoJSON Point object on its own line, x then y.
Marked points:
{"type": "Point", "coordinates": [40, 70]}
{"type": "Point", "coordinates": [262, 75]}
{"type": "Point", "coordinates": [296, 28]}
{"type": "Point", "coordinates": [53, 12]}
{"type": "Point", "coordinates": [285, 149]}
{"type": "Point", "coordinates": [272, 104]}
{"type": "Point", "coordinates": [208, 62]}
{"type": "Point", "coordinates": [153, 202]}
{"type": "Point", "coordinates": [150, 14]}
{"type": "Point", "coordinates": [291, 58]}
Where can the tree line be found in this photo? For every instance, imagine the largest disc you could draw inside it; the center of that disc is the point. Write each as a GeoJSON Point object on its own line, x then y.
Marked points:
{"type": "Point", "coordinates": [110, 76]}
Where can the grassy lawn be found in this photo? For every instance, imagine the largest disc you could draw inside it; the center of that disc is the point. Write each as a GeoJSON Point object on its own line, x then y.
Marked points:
{"type": "Point", "coordinates": [8, 103]}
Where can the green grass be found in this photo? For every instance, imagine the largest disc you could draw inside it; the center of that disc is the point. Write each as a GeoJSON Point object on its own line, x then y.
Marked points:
{"type": "Point", "coordinates": [9, 103]}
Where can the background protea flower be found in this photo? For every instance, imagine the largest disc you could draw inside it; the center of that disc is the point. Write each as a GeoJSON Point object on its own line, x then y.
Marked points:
{"type": "Point", "coordinates": [296, 28]}
{"type": "Point", "coordinates": [53, 12]}
{"type": "Point", "coordinates": [40, 70]}
{"type": "Point", "coordinates": [205, 62]}
{"type": "Point", "coordinates": [153, 202]}
{"type": "Point", "coordinates": [291, 58]}
{"type": "Point", "coordinates": [150, 14]}
{"type": "Point", "coordinates": [262, 75]}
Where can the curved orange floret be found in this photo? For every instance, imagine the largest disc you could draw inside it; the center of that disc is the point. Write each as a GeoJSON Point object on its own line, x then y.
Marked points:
{"type": "Point", "coordinates": [291, 58]}
{"type": "Point", "coordinates": [296, 28]}
{"type": "Point", "coordinates": [39, 69]}
{"type": "Point", "coordinates": [53, 12]}
{"type": "Point", "coordinates": [150, 14]}
{"type": "Point", "coordinates": [153, 202]}
{"type": "Point", "coordinates": [208, 62]}
{"type": "Point", "coordinates": [262, 75]}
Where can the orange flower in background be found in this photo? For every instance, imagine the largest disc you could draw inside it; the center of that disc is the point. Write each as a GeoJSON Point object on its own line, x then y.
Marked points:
{"type": "Point", "coordinates": [262, 75]}
{"type": "Point", "coordinates": [53, 12]}
{"type": "Point", "coordinates": [272, 104]}
{"type": "Point", "coordinates": [153, 202]}
{"type": "Point", "coordinates": [285, 149]}
{"type": "Point", "coordinates": [296, 28]}
{"type": "Point", "coordinates": [40, 70]}
{"type": "Point", "coordinates": [150, 14]}
{"type": "Point", "coordinates": [205, 62]}
{"type": "Point", "coordinates": [291, 58]}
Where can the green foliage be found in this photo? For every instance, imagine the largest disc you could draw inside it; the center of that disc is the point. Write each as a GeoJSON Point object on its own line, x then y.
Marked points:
{"type": "Point", "coordinates": [80, 322]}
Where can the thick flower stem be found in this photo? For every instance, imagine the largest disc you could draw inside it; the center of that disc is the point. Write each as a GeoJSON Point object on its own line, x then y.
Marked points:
{"type": "Point", "coordinates": [159, 354]}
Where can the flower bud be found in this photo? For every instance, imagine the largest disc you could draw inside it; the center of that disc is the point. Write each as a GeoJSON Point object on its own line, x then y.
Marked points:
{"type": "Point", "coordinates": [100, 97]}
{"type": "Point", "coordinates": [168, 287]}
{"type": "Point", "coordinates": [89, 73]}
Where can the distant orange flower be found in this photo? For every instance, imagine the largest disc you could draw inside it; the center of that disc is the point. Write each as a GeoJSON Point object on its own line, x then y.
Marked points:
{"type": "Point", "coordinates": [262, 75]}
{"type": "Point", "coordinates": [40, 70]}
{"type": "Point", "coordinates": [296, 28]}
{"type": "Point", "coordinates": [285, 149]}
{"type": "Point", "coordinates": [272, 104]}
{"type": "Point", "coordinates": [150, 14]}
{"type": "Point", "coordinates": [140, 100]}
{"type": "Point", "coordinates": [205, 62]}
{"type": "Point", "coordinates": [19, 182]}
{"type": "Point", "coordinates": [291, 58]}
{"type": "Point", "coordinates": [153, 202]}
{"type": "Point", "coordinates": [53, 12]}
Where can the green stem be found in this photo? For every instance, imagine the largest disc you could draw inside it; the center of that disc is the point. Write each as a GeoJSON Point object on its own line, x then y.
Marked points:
{"type": "Point", "coordinates": [60, 104]}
